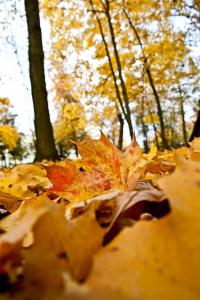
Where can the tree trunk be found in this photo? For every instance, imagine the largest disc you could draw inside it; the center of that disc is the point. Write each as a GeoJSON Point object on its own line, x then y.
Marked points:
{"type": "Point", "coordinates": [121, 131]}
{"type": "Point", "coordinates": [45, 146]}
{"type": "Point", "coordinates": [183, 118]}
{"type": "Point", "coordinates": [144, 127]}
{"type": "Point", "coordinates": [119, 67]}
{"type": "Point", "coordinates": [196, 128]}
{"type": "Point", "coordinates": [159, 109]}
{"type": "Point", "coordinates": [154, 126]}
{"type": "Point", "coordinates": [151, 82]}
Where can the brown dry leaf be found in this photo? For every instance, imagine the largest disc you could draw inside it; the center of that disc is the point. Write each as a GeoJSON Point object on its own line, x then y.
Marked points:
{"type": "Point", "coordinates": [115, 207]}
{"type": "Point", "coordinates": [75, 208]}
{"type": "Point", "coordinates": [9, 202]}
{"type": "Point", "coordinates": [131, 206]}
{"type": "Point", "coordinates": [157, 259]}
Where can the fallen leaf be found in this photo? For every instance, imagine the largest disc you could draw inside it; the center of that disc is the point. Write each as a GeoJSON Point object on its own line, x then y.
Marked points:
{"type": "Point", "coordinates": [25, 181]}
{"type": "Point", "coordinates": [157, 259]}
{"type": "Point", "coordinates": [9, 202]}
{"type": "Point", "coordinates": [18, 224]}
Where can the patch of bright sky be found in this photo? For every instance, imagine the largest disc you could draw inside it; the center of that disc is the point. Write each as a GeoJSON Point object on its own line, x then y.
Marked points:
{"type": "Point", "coordinates": [14, 68]}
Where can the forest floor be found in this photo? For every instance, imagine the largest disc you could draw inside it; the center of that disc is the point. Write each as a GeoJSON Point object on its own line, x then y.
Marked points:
{"type": "Point", "coordinates": [111, 225]}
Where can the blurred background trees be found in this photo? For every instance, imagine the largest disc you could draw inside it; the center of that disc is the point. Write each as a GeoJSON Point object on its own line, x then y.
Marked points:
{"type": "Point", "coordinates": [135, 61]}
{"type": "Point", "coordinates": [123, 67]}
{"type": "Point", "coordinates": [9, 137]}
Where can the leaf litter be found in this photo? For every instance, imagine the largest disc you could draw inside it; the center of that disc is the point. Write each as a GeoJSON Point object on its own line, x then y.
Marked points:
{"type": "Point", "coordinates": [112, 225]}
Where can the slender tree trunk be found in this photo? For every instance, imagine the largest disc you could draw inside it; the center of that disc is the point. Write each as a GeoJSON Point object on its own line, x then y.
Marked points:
{"type": "Point", "coordinates": [154, 125]}
{"type": "Point", "coordinates": [172, 127]}
{"type": "Point", "coordinates": [144, 127]}
{"type": "Point", "coordinates": [159, 109]}
{"type": "Point", "coordinates": [183, 120]}
{"type": "Point", "coordinates": [183, 116]}
{"type": "Point", "coordinates": [119, 67]}
{"type": "Point", "coordinates": [117, 90]}
{"type": "Point", "coordinates": [121, 131]}
{"type": "Point", "coordinates": [45, 146]}
{"type": "Point", "coordinates": [4, 159]}
{"type": "Point", "coordinates": [151, 82]}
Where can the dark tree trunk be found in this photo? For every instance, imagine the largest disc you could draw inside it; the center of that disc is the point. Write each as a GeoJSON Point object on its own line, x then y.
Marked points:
{"type": "Point", "coordinates": [154, 126]}
{"type": "Point", "coordinates": [117, 90]}
{"type": "Point", "coordinates": [119, 68]}
{"type": "Point", "coordinates": [183, 120]}
{"type": "Point", "coordinates": [159, 109]}
{"type": "Point", "coordinates": [121, 131]}
{"type": "Point", "coordinates": [144, 127]}
{"type": "Point", "coordinates": [196, 128]}
{"type": "Point", "coordinates": [45, 146]}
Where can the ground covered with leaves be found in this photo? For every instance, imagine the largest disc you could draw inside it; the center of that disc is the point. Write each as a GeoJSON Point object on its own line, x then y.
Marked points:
{"type": "Point", "coordinates": [111, 225]}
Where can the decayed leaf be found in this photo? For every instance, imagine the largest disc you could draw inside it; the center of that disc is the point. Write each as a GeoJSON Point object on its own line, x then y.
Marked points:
{"type": "Point", "coordinates": [131, 206]}
{"type": "Point", "coordinates": [157, 259]}
{"type": "Point", "coordinates": [117, 208]}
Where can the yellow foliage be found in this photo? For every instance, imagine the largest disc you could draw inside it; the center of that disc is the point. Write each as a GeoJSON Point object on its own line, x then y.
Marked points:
{"type": "Point", "coordinates": [70, 124]}
{"type": "Point", "coordinates": [4, 101]}
{"type": "Point", "coordinates": [151, 118]}
{"type": "Point", "coordinates": [9, 136]}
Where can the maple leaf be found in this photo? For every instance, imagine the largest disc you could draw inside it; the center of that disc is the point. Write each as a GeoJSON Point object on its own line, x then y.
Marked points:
{"type": "Point", "coordinates": [102, 168]}
{"type": "Point", "coordinates": [157, 259]}
{"type": "Point", "coordinates": [57, 245]}
{"type": "Point", "coordinates": [138, 238]}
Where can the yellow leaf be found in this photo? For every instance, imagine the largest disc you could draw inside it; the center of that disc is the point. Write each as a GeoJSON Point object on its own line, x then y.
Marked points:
{"type": "Point", "coordinates": [25, 180]}
{"type": "Point", "coordinates": [195, 145]}
{"type": "Point", "coordinates": [157, 259]}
